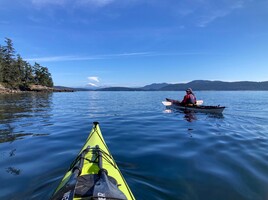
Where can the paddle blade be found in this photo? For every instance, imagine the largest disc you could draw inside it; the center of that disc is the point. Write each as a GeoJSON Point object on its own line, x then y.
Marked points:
{"type": "Point", "coordinates": [199, 102]}
{"type": "Point", "coordinates": [105, 189]}
{"type": "Point", "coordinates": [166, 103]}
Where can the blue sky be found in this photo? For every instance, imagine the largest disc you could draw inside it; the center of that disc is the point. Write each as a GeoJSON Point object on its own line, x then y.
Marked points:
{"type": "Point", "coordinates": [139, 42]}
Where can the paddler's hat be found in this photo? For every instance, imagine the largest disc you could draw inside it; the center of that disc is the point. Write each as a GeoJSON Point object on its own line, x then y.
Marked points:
{"type": "Point", "coordinates": [189, 90]}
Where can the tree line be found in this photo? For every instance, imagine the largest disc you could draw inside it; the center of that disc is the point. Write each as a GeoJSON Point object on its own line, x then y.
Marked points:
{"type": "Point", "coordinates": [17, 73]}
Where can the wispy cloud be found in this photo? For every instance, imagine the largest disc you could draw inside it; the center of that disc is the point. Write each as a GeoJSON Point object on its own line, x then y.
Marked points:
{"type": "Point", "coordinates": [112, 56]}
{"type": "Point", "coordinates": [205, 20]}
{"type": "Point", "coordinates": [49, 2]}
{"type": "Point", "coordinates": [198, 12]}
{"type": "Point", "coordinates": [94, 81]}
{"type": "Point", "coordinates": [80, 58]}
{"type": "Point", "coordinates": [72, 3]}
{"type": "Point", "coordinates": [94, 78]}
{"type": "Point", "coordinates": [95, 3]}
{"type": "Point", "coordinates": [92, 84]}
{"type": "Point", "coordinates": [213, 11]}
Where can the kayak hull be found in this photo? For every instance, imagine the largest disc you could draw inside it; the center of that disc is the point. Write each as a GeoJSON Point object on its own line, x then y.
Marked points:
{"type": "Point", "coordinates": [95, 139]}
{"type": "Point", "coordinates": [171, 103]}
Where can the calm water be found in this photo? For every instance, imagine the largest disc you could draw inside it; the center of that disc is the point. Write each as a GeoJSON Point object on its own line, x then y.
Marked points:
{"type": "Point", "coordinates": [162, 154]}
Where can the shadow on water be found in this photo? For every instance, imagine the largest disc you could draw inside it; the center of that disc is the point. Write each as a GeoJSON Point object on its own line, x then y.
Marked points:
{"type": "Point", "coordinates": [191, 116]}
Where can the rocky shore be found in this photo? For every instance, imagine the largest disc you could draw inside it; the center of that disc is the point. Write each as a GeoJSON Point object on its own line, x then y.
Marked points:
{"type": "Point", "coordinates": [4, 90]}
{"type": "Point", "coordinates": [33, 88]}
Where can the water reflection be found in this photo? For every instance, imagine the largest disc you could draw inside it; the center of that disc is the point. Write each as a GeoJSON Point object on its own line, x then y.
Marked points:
{"type": "Point", "coordinates": [190, 115]}
{"type": "Point", "coordinates": [215, 115]}
{"type": "Point", "coordinates": [17, 113]}
{"type": "Point", "coordinates": [10, 137]}
{"type": "Point", "coordinates": [13, 171]}
{"type": "Point", "coordinates": [168, 111]}
{"type": "Point", "coordinates": [21, 106]}
{"type": "Point", "coordinates": [22, 103]}
{"type": "Point", "coordinates": [12, 152]}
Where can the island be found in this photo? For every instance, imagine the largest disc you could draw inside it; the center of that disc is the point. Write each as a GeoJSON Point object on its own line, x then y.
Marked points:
{"type": "Point", "coordinates": [18, 75]}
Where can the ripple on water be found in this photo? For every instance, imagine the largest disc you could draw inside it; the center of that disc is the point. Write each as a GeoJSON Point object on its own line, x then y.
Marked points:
{"type": "Point", "coordinates": [162, 155]}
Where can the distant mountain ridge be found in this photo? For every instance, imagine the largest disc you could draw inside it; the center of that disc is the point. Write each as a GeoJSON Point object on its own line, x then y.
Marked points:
{"type": "Point", "coordinates": [196, 85]}
{"type": "Point", "coordinates": [119, 89]}
{"type": "Point", "coordinates": [199, 85]}
{"type": "Point", "coordinates": [217, 85]}
{"type": "Point", "coordinates": [155, 86]}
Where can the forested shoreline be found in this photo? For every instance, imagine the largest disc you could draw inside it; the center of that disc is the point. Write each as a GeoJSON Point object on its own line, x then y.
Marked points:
{"type": "Point", "coordinates": [18, 74]}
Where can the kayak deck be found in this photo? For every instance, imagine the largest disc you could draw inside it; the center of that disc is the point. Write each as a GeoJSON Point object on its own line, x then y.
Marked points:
{"type": "Point", "coordinates": [171, 103]}
{"type": "Point", "coordinates": [96, 161]}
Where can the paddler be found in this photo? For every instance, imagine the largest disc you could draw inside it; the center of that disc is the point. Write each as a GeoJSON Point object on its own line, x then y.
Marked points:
{"type": "Point", "coordinates": [189, 98]}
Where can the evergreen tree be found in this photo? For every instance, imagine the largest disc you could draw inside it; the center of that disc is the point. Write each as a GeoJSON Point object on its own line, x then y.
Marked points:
{"type": "Point", "coordinates": [17, 73]}
{"type": "Point", "coordinates": [28, 77]}
{"type": "Point", "coordinates": [1, 61]}
{"type": "Point", "coordinates": [42, 75]}
{"type": "Point", "coordinates": [8, 68]}
{"type": "Point", "coordinates": [25, 73]}
{"type": "Point", "coordinates": [19, 64]}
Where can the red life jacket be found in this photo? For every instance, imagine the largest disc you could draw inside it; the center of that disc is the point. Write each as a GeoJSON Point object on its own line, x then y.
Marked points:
{"type": "Point", "coordinates": [189, 99]}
